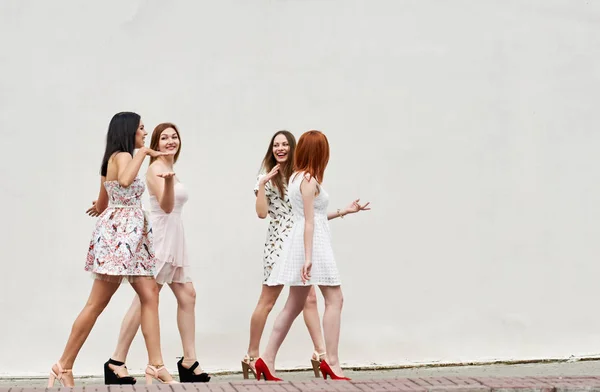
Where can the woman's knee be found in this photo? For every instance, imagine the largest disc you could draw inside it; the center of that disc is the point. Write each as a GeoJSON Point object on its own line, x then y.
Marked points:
{"type": "Point", "coordinates": [97, 305]}
{"type": "Point", "coordinates": [334, 298]}
{"type": "Point", "coordinates": [268, 298]}
{"type": "Point", "coordinates": [266, 303]}
{"type": "Point", "coordinates": [311, 300]}
{"type": "Point", "coordinates": [187, 296]}
{"type": "Point", "coordinates": [148, 294]}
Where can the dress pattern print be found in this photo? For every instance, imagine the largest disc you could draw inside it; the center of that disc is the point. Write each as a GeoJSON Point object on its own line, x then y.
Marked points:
{"type": "Point", "coordinates": [280, 223]}
{"type": "Point", "coordinates": [121, 245]}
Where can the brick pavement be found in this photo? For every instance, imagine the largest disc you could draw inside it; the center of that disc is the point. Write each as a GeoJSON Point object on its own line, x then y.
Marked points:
{"type": "Point", "coordinates": [400, 384]}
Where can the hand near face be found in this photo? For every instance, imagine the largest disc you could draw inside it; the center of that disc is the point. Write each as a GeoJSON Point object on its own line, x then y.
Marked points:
{"type": "Point", "coordinates": [271, 174]}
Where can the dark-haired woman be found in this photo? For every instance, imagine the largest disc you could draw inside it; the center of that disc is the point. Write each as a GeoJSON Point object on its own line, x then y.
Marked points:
{"type": "Point", "coordinates": [168, 197]}
{"type": "Point", "coordinates": [272, 200]}
{"type": "Point", "coordinates": [121, 247]}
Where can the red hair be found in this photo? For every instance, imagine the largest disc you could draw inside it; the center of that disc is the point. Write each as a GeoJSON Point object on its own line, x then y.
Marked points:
{"type": "Point", "coordinates": [312, 155]}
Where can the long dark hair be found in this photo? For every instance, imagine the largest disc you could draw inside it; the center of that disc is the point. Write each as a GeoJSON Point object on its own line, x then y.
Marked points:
{"type": "Point", "coordinates": [120, 137]}
{"type": "Point", "coordinates": [285, 171]}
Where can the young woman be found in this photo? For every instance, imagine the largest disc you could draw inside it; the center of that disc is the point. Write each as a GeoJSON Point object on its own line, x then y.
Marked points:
{"type": "Point", "coordinates": [272, 200]}
{"type": "Point", "coordinates": [167, 198]}
{"type": "Point", "coordinates": [307, 258]}
{"type": "Point", "coordinates": [121, 247]}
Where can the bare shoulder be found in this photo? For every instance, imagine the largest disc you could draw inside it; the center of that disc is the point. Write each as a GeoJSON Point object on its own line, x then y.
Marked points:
{"type": "Point", "coordinates": [122, 157]}
{"type": "Point", "coordinates": [152, 168]}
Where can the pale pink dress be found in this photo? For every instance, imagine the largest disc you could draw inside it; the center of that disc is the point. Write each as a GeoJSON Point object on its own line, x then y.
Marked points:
{"type": "Point", "coordinates": [172, 264]}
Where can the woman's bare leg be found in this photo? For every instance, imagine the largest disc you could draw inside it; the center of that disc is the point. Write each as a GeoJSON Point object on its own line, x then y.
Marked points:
{"type": "Point", "coordinates": [147, 291]}
{"type": "Point", "coordinates": [332, 317]}
{"type": "Point", "coordinates": [313, 321]}
{"type": "Point", "coordinates": [102, 292]}
{"type": "Point", "coordinates": [129, 328]}
{"type": "Point", "coordinates": [266, 301]}
{"type": "Point", "coordinates": [186, 322]}
{"type": "Point", "coordinates": [283, 323]}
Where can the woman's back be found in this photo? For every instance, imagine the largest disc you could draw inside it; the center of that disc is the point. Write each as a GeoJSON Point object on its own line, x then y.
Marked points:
{"type": "Point", "coordinates": [320, 203]}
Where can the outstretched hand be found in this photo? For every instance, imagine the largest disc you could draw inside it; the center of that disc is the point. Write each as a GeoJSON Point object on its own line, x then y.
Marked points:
{"type": "Point", "coordinates": [167, 175]}
{"type": "Point", "coordinates": [156, 154]}
{"type": "Point", "coordinates": [355, 206]}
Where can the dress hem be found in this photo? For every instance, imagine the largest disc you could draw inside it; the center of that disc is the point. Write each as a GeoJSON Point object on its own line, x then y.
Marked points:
{"type": "Point", "coordinates": [120, 278]}
{"type": "Point", "coordinates": [301, 284]}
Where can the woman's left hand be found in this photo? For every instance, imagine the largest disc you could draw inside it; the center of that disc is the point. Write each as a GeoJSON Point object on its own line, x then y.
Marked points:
{"type": "Point", "coordinates": [355, 206]}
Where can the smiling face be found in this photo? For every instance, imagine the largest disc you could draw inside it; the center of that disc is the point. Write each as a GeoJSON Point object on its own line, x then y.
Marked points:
{"type": "Point", "coordinates": [281, 148]}
{"type": "Point", "coordinates": [140, 136]}
{"type": "Point", "coordinates": [169, 141]}
{"type": "Point", "coordinates": [166, 138]}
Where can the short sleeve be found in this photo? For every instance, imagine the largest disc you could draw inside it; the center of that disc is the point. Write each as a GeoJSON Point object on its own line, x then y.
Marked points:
{"type": "Point", "coordinates": [258, 178]}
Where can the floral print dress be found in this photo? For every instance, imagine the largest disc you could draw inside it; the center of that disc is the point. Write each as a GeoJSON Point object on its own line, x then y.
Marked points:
{"type": "Point", "coordinates": [280, 223]}
{"type": "Point", "coordinates": [121, 246]}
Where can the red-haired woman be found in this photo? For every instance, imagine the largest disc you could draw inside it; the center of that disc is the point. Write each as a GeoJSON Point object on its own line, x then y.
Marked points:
{"type": "Point", "coordinates": [272, 201]}
{"type": "Point", "coordinates": [307, 257]}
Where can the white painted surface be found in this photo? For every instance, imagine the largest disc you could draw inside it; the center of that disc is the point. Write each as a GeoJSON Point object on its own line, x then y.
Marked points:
{"type": "Point", "coordinates": [471, 126]}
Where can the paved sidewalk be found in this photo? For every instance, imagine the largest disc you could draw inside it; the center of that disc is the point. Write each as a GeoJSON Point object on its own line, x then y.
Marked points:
{"type": "Point", "coordinates": [411, 384]}
{"type": "Point", "coordinates": [570, 376]}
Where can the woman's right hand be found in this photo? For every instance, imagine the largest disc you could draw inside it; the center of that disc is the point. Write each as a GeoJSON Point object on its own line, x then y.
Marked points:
{"type": "Point", "coordinates": [92, 211]}
{"type": "Point", "coordinates": [270, 175]}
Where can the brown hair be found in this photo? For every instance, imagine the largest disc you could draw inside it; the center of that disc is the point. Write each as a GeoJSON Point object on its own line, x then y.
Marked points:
{"type": "Point", "coordinates": [286, 170]}
{"type": "Point", "coordinates": [156, 138]}
{"type": "Point", "coordinates": [312, 155]}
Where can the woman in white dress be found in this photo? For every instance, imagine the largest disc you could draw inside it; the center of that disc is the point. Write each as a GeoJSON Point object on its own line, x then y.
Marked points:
{"type": "Point", "coordinates": [272, 201]}
{"type": "Point", "coordinates": [307, 258]}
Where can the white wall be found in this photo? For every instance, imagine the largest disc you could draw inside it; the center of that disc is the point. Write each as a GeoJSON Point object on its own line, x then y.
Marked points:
{"type": "Point", "coordinates": [471, 126]}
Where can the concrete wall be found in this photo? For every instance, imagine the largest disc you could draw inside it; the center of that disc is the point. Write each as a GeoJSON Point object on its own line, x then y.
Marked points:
{"type": "Point", "coordinates": [471, 126]}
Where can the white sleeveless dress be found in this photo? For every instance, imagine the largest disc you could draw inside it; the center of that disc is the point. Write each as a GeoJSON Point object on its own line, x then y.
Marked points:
{"type": "Point", "coordinates": [324, 269]}
{"type": "Point", "coordinates": [172, 265]}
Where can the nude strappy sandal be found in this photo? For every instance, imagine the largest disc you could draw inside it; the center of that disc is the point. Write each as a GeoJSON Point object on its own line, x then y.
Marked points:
{"type": "Point", "coordinates": [152, 373]}
{"type": "Point", "coordinates": [54, 377]}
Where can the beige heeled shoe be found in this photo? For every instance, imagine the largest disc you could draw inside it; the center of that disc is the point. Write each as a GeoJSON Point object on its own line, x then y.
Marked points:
{"type": "Point", "coordinates": [315, 360]}
{"type": "Point", "coordinates": [152, 373]}
{"type": "Point", "coordinates": [54, 376]}
{"type": "Point", "coordinates": [247, 368]}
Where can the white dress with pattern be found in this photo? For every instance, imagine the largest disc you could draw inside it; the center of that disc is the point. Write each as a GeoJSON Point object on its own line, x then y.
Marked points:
{"type": "Point", "coordinates": [280, 224]}
{"type": "Point", "coordinates": [324, 269]}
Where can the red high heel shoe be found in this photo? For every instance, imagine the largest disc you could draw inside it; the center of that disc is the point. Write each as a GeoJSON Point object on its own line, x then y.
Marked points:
{"type": "Point", "coordinates": [326, 370]}
{"type": "Point", "coordinates": [262, 368]}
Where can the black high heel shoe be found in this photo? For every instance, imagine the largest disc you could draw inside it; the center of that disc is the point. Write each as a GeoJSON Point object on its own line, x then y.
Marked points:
{"type": "Point", "coordinates": [188, 375]}
{"type": "Point", "coordinates": [111, 376]}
